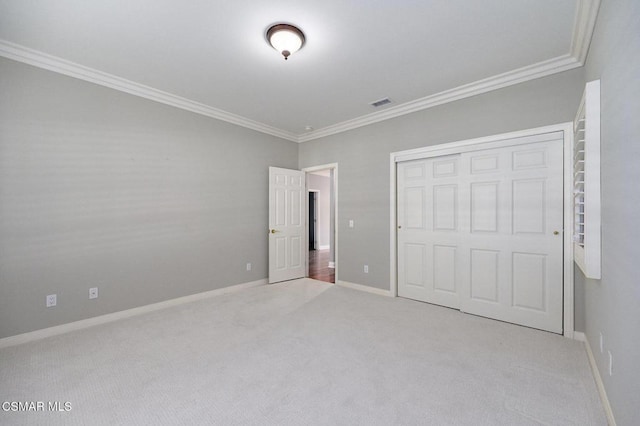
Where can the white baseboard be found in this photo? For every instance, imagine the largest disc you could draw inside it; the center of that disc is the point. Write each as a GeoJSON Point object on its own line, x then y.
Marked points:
{"type": "Point", "coordinates": [579, 336]}
{"type": "Point", "coordinates": [327, 247]}
{"type": "Point", "coordinates": [597, 377]}
{"type": "Point", "coordinates": [103, 319]}
{"type": "Point", "coordinates": [364, 288]}
{"type": "Point", "coordinates": [332, 265]}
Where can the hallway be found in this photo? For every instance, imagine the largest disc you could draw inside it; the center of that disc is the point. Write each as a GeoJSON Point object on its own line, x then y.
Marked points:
{"type": "Point", "coordinates": [319, 266]}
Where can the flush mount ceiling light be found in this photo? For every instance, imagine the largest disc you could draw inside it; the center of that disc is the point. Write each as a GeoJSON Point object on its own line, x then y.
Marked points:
{"type": "Point", "coordinates": [285, 38]}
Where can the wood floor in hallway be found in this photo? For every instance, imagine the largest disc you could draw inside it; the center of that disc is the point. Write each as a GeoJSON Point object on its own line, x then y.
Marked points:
{"type": "Point", "coordinates": [319, 266]}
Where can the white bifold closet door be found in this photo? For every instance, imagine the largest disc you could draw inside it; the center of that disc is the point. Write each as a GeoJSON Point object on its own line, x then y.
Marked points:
{"type": "Point", "coordinates": [481, 231]}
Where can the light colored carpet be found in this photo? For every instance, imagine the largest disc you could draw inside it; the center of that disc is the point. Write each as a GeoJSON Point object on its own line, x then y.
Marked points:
{"type": "Point", "coordinates": [303, 352]}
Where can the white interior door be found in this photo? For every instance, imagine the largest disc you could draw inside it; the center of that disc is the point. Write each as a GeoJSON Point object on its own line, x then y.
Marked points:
{"type": "Point", "coordinates": [512, 208]}
{"type": "Point", "coordinates": [482, 231]}
{"type": "Point", "coordinates": [287, 237]}
{"type": "Point", "coordinates": [429, 230]}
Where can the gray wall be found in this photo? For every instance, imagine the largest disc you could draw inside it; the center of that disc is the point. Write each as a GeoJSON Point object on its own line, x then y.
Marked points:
{"type": "Point", "coordinates": [321, 184]}
{"type": "Point", "coordinates": [613, 303]}
{"type": "Point", "coordinates": [101, 188]}
{"type": "Point", "coordinates": [363, 157]}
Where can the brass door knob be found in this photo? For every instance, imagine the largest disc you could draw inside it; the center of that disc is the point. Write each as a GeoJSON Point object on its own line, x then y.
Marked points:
{"type": "Point", "coordinates": [556, 232]}
{"type": "Point", "coordinates": [273, 231]}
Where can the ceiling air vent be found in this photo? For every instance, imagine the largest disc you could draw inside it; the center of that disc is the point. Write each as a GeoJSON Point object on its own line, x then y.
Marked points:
{"type": "Point", "coordinates": [380, 102]}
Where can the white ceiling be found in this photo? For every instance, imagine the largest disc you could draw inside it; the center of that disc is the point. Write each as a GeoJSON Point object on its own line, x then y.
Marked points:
{"type": "Point", "coordinates": [215, 55]}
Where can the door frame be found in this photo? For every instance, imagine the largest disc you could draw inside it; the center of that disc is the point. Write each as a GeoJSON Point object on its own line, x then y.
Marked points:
{"type": "Point", "coordinates": [307, 170]}
{"type": "Point", "coordinates": [496, 141]}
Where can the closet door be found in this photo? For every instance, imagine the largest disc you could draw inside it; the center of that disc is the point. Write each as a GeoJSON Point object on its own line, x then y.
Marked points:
{"type": "Point", "coordinates": [481, 231]}
{"type": "Point", "coordinates": [429, 230]}
{"type": "Point", "coordinates": [512, 218]}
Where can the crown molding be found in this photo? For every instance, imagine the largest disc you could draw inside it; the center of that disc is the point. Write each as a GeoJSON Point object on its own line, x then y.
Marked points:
{"type": "Point", "coordinates": [531, 72]}
{"type": "Point", "coordinates": [62, 66]}
{"type": "Point", "coordinates": [583, 27]}
{"type": "Point", "coordinates": [584, 23]}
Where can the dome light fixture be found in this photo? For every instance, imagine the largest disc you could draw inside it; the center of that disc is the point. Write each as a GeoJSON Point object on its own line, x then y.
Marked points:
{"type": "Point", "coordinates": [285, 38]}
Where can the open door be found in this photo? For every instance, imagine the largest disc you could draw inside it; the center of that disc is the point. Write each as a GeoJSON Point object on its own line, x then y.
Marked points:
{"type": "Point", "coordinates": [287, 237]}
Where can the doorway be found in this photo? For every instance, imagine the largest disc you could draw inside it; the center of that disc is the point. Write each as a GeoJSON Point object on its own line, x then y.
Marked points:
{"type": "Point", "coordinates": [313, 219]}
{"type": "Point", "coordinates": [321, 217]}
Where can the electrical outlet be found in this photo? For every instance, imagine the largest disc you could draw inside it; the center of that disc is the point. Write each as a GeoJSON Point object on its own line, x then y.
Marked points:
{"type": "Point", "coordinates": [610, 363]}
{"type": "Point", "coordinates": [52, 300]}
{"type": "Point", "coordinates": [601, 343]}
{"type": "Point", "coordinates": [366, 269]}
{"type": "Point", "coordinates": [93, 293]}
{"type": "Point", "coordinates": [351, 223]}
{"type": "Point", "coordinates": [248, 266]}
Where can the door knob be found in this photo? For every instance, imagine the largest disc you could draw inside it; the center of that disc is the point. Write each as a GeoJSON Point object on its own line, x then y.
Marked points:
{"type": "Point", "coordinates": [273, 231]}
{"type": "Point", "coordinates": [556, 232]}
{"type": "Point", "coordinates": [399, 226]}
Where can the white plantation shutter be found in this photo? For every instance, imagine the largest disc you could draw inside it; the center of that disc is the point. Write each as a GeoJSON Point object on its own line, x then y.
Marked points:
{"type": "Point", "coordinates": [586, 182]}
